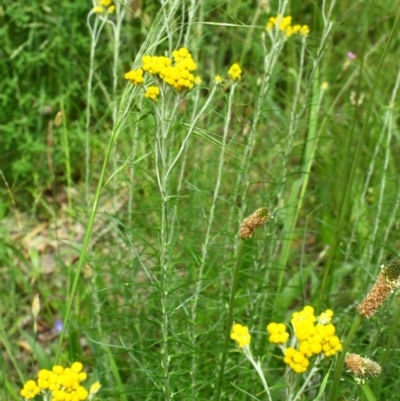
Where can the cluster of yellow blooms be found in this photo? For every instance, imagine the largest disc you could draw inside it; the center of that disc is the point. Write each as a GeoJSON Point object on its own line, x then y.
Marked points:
{"type": "Point", "coordinates": [313, 336]}
{"type": "Point", "coordinates": [64, 384]}
{"type": "Point", "coordinates": [284, 24]}
{"type": "Point", "coordinates": [235, 72]}
{"type": "Point", "coordinates": [241, 335]}
{"type": "Point", "coordinates": [104, 6]}
{"type": "Point", "coordinates": [176, 72]}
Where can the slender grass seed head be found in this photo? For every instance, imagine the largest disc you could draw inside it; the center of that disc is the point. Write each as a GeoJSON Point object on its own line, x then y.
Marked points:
{"type": "Point", "coordinates": [251, 223]}
{"type": "Point", "coordinates": [362, 368]}
{"type": "Point", "coordinates": [387, 281]}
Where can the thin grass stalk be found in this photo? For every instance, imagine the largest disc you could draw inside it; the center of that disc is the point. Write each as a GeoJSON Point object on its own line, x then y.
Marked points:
{"type": "Point", "coordinates": [128, 97]}
{"type": "Point", "coordinates": [299, 187]}
{"type": "Point", "coordinates": [164, 118]}
{"type": "Point", "coordinates": [355, 157]}
{"type": "Point", "coordinates": [120, 9]}
{"type": "Point", "coordinates": [295, 201]}
{"type": "Point", "coordinates": [85, 244]}
{"type": "Point", "coordinates": [118, 379]}
{"type": "Point", "coordinates": [182, 171]}
{"type": "Point", "coordinates": [161, 158]}
{"type": "Point", "coordinates": [132, 170]}
{"type": "Point", "coordinates": [369, 395]}
{"type": "Point", "coordinates": [190, 14]}
{"type": "Point", "coordinates": [249, 37]}
{"type": "Point", "coordinates": [293, 121]}
{"type": "Point", "coordinates": [207, 239]}
{"type": "Point", "coordinates": [241, 184]}
{"type": "Point", "coordinates": [391, 222]}
{"type": "Point", "coordinates": [258, 368]}
{"type": "Point", "coordinates": [163, 173]}
{"type": "Point", "coordinates": [362, 198]}
{"type": "Point", "coordinates": [191, 130]}
{"type": "Point", "coordinates": [340, 363]}
{"type": "Point", "coordinates": [235, 277]}
{"type": "Point", "coordinates": [65, 146]}
{"type": "Point", "coordinates": [94, 35]}
{"type": "Point", "coordinates": [389, 124]}
{"type": "Point", "coordinates": [9, 350]}
{"type": "Point", "coordinates": [388, 350]}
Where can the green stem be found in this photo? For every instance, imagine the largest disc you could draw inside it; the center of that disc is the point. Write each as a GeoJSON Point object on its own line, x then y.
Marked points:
{"type": "Point", "coordinates": [229, 320]}
{"type": "Point", "coordinates": [368, 392]}
{"type": "Point", "coordinates": [355, 156]}
{"type": "Point", "coordinates": [340, 363]}
{"type": "Point", "coordinates": [390, 345]}
{"type": "Point", "coordinates": [299, 187]}
{"type": "Point", "coordinates": [86, 240]}
{"type": "Point", "coordinates": [257, 367]}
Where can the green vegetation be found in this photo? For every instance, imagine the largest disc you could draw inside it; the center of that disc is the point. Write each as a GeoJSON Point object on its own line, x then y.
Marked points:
{"type": "Point", "coordinates": [123, 212]}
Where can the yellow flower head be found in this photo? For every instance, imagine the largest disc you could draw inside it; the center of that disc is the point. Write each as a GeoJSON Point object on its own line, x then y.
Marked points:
{"type": "Point", "coordinates": [235, 72]}
{"type": "Point", "coordinates": [312, 336]}
{"type": "Point", "coordinates": [284, 25]}
{"type": "Point", "coordinates": [59, 384]}
{"type": "Point", "coordinates": [296, 360]}
{"type": "Point", "coordinates": [241, 335]}
{"type": "Point", "coordinates": [278, 334]}
{"type": "Point", "coordinates": [176, 72]}
{"type": "Point", "coordinates": [95, 387]}
{"type": "Point", "coordinates": [104, 6]}
{"type": "Point", "coordinates": [217, 79]}
{"type": "Point", "coordinates": [135, 76]}
{"type": "Point", "coordinates": [30, 390]}
{"type": "Point", "coordinates": [152, 92]}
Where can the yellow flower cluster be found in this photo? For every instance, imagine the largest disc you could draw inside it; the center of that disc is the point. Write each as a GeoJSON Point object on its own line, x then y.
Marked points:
{"type": "Point", "coordinates": [152, 92]}
{"type": "Point", "coordinates": [176, 72]}
{"type": "Point", "coordinates": [135, 76]}
{"type": "Point", "coordinates": [104, 6]}
{"type": "Point", "coordinates": [278, 334]}
{"type": "Point", "coordinates": [235, 72]}
{"type": "Point", "coordinates": [241, 335]}
{"type": "Point", "coordinates": [284, 24]}
{"type": "Point", "coordinates": [64, 384]}
{"type": "Point", "coordinates": [296, 360]}
{"type": "Point", "coordinates": [313, 336]}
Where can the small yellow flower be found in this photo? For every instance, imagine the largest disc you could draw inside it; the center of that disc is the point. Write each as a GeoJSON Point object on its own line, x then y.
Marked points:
{"type": "Point", "coordinates": [217, 79]}
{"type": "Point", "coordinates": [325, 85]}
{"type": "Point", "coordinates": [296, 360]}
{"type": "Point", "coordinates": [135, 76]}
{"type": "Point", "coordinates": [278, 333]}
{"type": "Point", "coordinates": [235, 72]}
{"type": "Point", "coordinates": [110, 9]}
{"type": "Point", "coordinates": [305, 30]}
{"type": "Point", "coordinates": [241, 335]}
{"type": "Point", "coordinates": [197, 80]}
{"type": "Point", "coordinates": [152, 92]}
{"type": "Point", "coordinates": [30, 390]}
{"type": "Point", "coordinates": [325, 317]}
{"type": "Point", "coordinates": [284, 24]}
{"type": "Point", "coordinates": [98, 9]}
{"type": "Point", "coordinates": [76, 367]}
{"type": "Point", "coordinates": [95, 387]}
{"type": "Point", "coordinates": [105, 3]}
